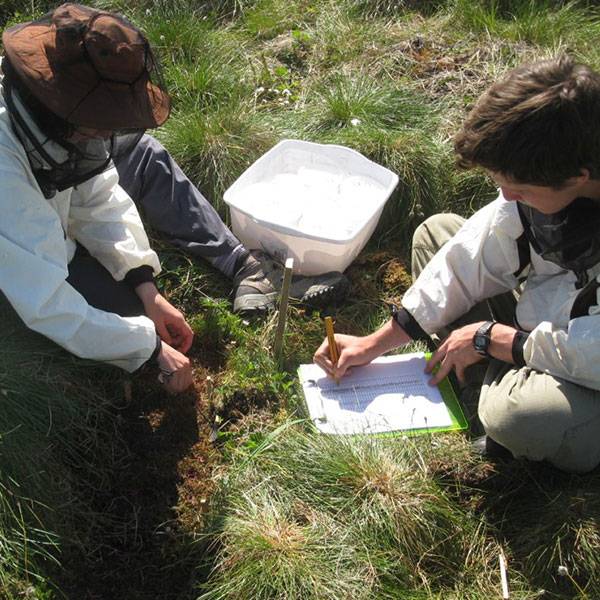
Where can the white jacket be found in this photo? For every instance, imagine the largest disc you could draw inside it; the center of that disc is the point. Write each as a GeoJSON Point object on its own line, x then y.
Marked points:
{"type": "Point", "coordinates": [37, 243]}
{"type": "Point", "coordinates": [479, 262]}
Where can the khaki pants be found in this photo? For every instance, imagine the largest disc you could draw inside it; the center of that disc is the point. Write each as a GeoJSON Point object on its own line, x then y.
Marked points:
{"type": "Point", "coordinates": [533, 414]}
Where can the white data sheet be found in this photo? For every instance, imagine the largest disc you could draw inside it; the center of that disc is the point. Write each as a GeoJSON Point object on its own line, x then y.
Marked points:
{"type": "Point", "coordinates": [390, 394]}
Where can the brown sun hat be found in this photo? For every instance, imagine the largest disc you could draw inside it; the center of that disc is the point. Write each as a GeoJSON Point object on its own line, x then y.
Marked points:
{"type": "Point", "coordinates": [91, 68]}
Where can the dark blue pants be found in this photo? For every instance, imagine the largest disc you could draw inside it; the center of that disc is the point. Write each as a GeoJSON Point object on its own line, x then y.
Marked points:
{"type": "Point", "coordinates": [171, 205]}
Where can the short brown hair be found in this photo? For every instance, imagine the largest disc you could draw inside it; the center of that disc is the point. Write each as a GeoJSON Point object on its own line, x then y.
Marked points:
{"type": "Point", "coordinates": [540, 125]}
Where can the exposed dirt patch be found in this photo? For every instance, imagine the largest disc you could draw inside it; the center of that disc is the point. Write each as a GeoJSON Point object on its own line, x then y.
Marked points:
{"type": "Point", "coordinates": [379, 274]}
{"type": "Point", "coordinates": [146, 551]}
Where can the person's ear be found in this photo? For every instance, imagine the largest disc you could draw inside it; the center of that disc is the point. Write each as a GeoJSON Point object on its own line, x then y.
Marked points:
{"type": "Point", "coordinates": [579, 180]}
{"type": "Point", "coordinates": [584, 176]}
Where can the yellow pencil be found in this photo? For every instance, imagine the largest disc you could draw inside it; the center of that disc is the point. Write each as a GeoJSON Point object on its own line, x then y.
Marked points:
{"type": "Point", "coordinates": [333, 349]}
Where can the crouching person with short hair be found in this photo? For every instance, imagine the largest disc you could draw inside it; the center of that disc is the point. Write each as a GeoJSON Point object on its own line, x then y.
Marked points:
{"type": "Point", "coordinates": [517, 285]}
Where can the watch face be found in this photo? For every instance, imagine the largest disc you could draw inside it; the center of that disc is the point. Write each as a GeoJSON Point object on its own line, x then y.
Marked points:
{"type": "Point", "coordinates": [480, 343]}
{"type": "Point", "coordinates": [481, 339]}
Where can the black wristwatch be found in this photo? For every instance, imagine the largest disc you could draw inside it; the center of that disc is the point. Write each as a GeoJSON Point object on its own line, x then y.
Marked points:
{"type": "Point", "coordinates": [482, 338]}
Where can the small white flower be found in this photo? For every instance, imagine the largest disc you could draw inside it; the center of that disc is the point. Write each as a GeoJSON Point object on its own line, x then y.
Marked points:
{"type": "Point", "coordinates": [148, 12]}
{"type": "Point", "coordinates": [562, 571]}
{"type": "Point", "coordinates": [355, 122]}
{"type": "Point", "coordinates": [286, 92]}
{"type": "Point", "coordinates": [162, 38]}
{"type": "Point", "coordinates": [259, 90]}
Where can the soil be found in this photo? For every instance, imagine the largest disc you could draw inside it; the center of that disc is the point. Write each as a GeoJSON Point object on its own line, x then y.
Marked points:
{"type": "Point", "coordinates": [153, 503]}
{"type": "Point", "coordinates": [380, 274]}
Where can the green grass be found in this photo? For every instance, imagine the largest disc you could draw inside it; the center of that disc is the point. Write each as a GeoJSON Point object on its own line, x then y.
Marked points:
{"type": "Point", "coordinates": [57, 446]}
{"type": "Point", "coordinates": [544, 23]}
{"type": "Point", "coordinates": [306, 513]}
{"type": "Point", "coordinates": [295, 515]}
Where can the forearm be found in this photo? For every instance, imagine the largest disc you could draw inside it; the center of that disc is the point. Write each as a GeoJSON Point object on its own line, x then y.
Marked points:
{"type": "Point", "coordinates": [86, 332]}
{"type": "Point", "coordinates": [170, 323]}
{"type": "Point", "coordinates": [501, 342]}
{"type": "Point", "coordinates": [147, 292]}
{"type": "Point", "coordinates": [386, 338]}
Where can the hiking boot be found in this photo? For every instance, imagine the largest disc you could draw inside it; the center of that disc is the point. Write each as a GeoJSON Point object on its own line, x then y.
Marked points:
{"type": "Point", "coordinates": [257, 283]}
{"type": "Point", "coordinates": [490, 449]}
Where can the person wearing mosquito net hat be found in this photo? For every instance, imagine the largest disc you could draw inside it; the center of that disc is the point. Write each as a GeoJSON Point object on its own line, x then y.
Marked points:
{"type": "Point", "coordinates": [79, 88]}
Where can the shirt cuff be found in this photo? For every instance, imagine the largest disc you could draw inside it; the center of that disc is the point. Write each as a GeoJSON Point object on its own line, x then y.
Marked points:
{"type": "Point", "coordinates": [139, 275]}
{"type": "Point", "coordinates": [409, 324]}
{"type": "Point", "coordinates": [517, 348]}
{"type": "Point", "coordinates": [154, 356]}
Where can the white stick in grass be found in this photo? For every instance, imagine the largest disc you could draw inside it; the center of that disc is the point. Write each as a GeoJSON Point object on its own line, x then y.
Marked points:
{"type": "Point", "coordinates": [503, 576]}
{"type": "Point", "coordinates": [283, 304]}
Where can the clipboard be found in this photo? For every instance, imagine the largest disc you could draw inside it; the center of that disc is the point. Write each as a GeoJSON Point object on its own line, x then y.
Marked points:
{"type": "Point", "coordinates": [389, 396]}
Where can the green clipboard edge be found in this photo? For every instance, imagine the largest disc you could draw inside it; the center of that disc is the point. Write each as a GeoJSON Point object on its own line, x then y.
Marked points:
{"type": "Point", "coordinates": [459, 422]}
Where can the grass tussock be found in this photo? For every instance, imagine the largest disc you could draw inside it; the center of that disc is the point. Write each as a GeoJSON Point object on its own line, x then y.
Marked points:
{"type": "Point", "coordinates": [215, 148]}
{"type": "Point", "coordinates": [370, 503]}
{"type": "Point", "coordinates": [361, 101]}
{"type": "Point", "coordinates": [543, 23]}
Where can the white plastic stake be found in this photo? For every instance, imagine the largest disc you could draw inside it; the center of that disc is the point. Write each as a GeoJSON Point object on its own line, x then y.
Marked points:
{"type": "Point", "coordinates": [283, 304]}
{"type": "Point", "coordinates": [503, 576]}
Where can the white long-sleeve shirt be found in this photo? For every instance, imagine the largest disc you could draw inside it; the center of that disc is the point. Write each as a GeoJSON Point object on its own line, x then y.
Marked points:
{"type": "Point", "coordinates": [37, 241]}
{"type": "Point", "coordinates": [480, 261]}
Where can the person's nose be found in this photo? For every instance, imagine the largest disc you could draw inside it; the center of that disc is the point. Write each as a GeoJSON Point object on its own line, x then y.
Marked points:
{"type": "Point", "coordinates": [510, 195]}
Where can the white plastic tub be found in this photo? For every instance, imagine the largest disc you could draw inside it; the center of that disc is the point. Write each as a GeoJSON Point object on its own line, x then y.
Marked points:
{"type": "Point", "coordinates": [315, 203]}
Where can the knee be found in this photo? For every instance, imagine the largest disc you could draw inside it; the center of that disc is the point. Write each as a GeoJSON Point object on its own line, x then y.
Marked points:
{"type": "Point", "coordinates": [151, 147]}
{"type": "Point", "coordinates": [539, 418]}
{"type": "Point", "coordinates": [525, 423]}
{"type": "Point", "coordinates": [502, 421]}
{"type": "Point", "coordinates": [436, 230]}
{"type": "Point", "coordinates": [430, 236]}
{"type": "Point", "coordinates": [422, 233]}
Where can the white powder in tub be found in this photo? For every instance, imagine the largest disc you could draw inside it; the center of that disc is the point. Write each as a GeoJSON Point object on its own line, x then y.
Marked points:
{"type": "Point", "coordinates": [313, 202]}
